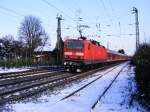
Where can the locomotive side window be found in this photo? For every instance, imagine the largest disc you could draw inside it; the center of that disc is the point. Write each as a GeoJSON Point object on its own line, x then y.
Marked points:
{"type": "Point", "coordinates": [75, 45]}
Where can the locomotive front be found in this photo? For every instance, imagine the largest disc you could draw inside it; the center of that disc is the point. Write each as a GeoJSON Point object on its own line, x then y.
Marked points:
{"type": "Point", "coordinates": [74, 54]}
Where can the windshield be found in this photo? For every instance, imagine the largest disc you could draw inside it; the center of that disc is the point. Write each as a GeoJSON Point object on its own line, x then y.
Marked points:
{"type": "Point", "coordinates": [75, 45]}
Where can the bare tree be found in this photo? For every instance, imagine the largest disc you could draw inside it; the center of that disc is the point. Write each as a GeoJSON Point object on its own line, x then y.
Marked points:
{"type": "Point", "coordinates": [32, 33]}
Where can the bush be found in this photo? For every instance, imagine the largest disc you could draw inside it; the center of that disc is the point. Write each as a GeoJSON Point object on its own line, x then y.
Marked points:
{"type": "Point", "coordinates": [16, 63]}
{"type": "Point", "coordinates": [141, 60]}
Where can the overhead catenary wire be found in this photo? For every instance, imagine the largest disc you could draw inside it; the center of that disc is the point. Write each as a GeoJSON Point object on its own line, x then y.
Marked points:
{"type": "Point", "coordinates": [105, 9]}
{"type": "Point", "coordinates": [101, 2]}
{"type": "Point", "coordinates": [18, 14]}
{"type": "Point", "coordinates": [11, 11]}
{"type": "Point", "coordinates": [58, 9]}
{"type": "Point", "coordinates": [115, 17]}
{"type": "Point", "coordinates": [62, 12]}
{"type": "Point", "coordinates": [113, 11]}
{"type": "Point", "coordinates": [15, 14]}
{"type": "Point", "coordinates": [114, 14]}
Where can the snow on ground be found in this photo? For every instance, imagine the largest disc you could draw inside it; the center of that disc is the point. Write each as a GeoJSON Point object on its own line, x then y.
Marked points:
{"type": "Point", "coordinates": [13, 70]}
{"type": "Point", "coordinates": [116, 100]}
{"type": "Point", "coordinates": [83, 100]}
{"type": "Point", "coordinates": [118, 97]}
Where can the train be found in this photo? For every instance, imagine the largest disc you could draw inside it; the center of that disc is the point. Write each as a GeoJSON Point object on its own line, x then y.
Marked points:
{"type": "Point", "coordinates": [82, 53]}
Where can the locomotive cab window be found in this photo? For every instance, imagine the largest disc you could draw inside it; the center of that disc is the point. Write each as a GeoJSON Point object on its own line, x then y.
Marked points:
{"type": "Point", "coordinates": [75, 45]}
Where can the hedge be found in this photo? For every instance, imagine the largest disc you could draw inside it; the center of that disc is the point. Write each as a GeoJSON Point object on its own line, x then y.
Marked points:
{"type": "Point", "coordinates": [141, 60]}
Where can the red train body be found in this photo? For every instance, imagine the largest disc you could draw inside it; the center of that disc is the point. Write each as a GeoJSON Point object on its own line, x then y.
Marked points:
{"type": "Point", "coordinates": [80, 53]}
{"type": "Point", "coordinates": [113, 56]}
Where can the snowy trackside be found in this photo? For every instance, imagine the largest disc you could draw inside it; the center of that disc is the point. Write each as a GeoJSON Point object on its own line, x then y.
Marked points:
{"type": "Point", "coordinates": [116, 99]}
{"type": "Point", "coordinates": [119, 96]}
{"type": "Point", "coordinates": [13, 70]}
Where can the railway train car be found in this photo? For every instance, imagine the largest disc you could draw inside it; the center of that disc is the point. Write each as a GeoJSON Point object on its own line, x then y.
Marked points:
{"type": "Point", "coordinates": [114, 56]}
{"type": "Point", "coordinates": [81, 53]}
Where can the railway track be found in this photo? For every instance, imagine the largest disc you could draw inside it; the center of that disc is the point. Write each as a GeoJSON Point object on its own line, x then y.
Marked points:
{"type": "Point", "coordinates": [81, 88]}
{"type": "Point", "coordinates": [28, 72]}
{"type": "Point", "coordinates": [22, 74]}
{"type": "Point", "coordinates": [27, 78]}
{"type": "Point", "coordinates": [28, 86]}
{"type": "Point", "coordinates": [107, 88]}
{"type": "Point", "coordinates": [91, 82]}
{"type": "Point", "coordinates": [30, 83]}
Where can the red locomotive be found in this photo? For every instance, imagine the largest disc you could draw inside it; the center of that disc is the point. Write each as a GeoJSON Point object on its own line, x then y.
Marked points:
{"type": "Point", "coordinates": [80, 53]}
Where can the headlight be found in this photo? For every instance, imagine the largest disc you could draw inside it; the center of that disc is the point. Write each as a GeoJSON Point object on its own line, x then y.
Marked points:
{"type": "Point", "coordinates": [79, 54]}
{"type": "Point", "coordinates": [65, 63]}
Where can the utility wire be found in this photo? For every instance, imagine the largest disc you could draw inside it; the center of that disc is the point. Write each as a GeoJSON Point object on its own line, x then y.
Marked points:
{"type": "Point", "coordinates": [15, 13]}
{"type": "Point", "coordinates": [117, 19]}
{"type": "Point", "coordinates": [12, 11]}
{"type": "Point", "coordinates": [113, 10]}
{"type": "Point", "coordinates": [4, 13]}
{"type": "Point", "coordinates": [51, 5]}
{"type": "Point", "coordinates": [104, 7]}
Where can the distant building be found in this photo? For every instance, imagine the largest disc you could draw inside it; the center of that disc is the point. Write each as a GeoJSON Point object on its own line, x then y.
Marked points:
{"type": "Point", "coordinates": [43, 55]}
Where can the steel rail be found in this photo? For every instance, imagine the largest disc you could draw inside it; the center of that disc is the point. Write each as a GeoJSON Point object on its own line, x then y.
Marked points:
{"type": "Point", "coordinates": [108, 87]}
